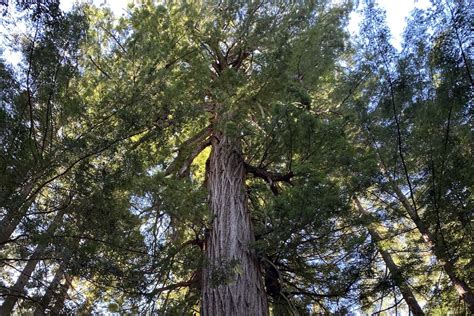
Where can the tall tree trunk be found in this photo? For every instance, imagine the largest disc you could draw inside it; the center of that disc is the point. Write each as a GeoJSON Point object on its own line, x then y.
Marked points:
{"type": "Point", "coordinates": [15, 213]}
{"type": "Point", "coordinates": [397, 277]}
{"type": "Point", "coordinates": [439, 250]}
{"type": "Point", "coordinates": [55, 288]}
{"type": "Point", "coordinates": [52, 289]}
{"type": "Point", "coordinates": [61, 298]}
{"type": "Point", "coordinates": [395, 272]}
{"type": "Point", "coordinates": [232, 280]}
{"type": "Point", "coordinates": [18, 289]}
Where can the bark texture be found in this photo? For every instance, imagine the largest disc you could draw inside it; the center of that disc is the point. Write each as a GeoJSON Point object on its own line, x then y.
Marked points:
{"type": "Point", "coordinates": [232, 279]}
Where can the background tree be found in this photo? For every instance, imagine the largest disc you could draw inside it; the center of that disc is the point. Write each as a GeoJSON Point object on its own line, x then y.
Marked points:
{"type": "Point", "coordinates": [409, 117]}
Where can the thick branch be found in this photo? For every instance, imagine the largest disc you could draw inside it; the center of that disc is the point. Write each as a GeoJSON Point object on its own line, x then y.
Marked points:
{"type": "Point", "coordinates": [270, 177]}
{"type": "Point", "coordinates": [188, 152]}
{"type": "Point", "coordinates": [189, 160]}
{"type": "Point", "coordinates": [172, 287]}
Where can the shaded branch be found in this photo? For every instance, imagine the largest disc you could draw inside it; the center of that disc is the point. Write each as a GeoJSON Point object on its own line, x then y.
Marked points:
{"type": "Point", "coordinates": [100, 68]}
{"type": "Point", "coordinates": [270, 177]}
{"type": "Point", "coordinates": [188, 151]}
{"type": "Point", "coordinates": [172, 287]}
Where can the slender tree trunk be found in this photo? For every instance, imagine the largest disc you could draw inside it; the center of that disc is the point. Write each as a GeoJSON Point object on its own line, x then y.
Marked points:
{"type": "Point", "coordinates": [18, 289]}
{"type": "Point", "coordinates": [55, 289]}
{"type": "Point", "coordinates": [10, 223]}
{"type": "Point", "coordinates": [397, 277]}
{"type": "Point", "coordinates": [52, 289]}
{"type": "Point", "coordinates": [7, 227]}
{"type": "Point", "coordinates": [395, 272]}
{"type": "Point", "coordinates": [232, 280]}
{"type": "Point", "coordinates": [15, 214]}
{"type": "Point", "coordinates": [439, 250]}
{"type": "Point", "coordinates": [61, 298]}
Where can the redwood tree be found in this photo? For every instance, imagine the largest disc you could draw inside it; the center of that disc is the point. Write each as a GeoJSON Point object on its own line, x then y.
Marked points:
{"type": "Point", "coordinates": [231, 71]}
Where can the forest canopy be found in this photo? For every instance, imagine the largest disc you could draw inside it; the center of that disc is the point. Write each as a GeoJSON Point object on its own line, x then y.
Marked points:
{"type": "Point", "coordinates": [236, 158]}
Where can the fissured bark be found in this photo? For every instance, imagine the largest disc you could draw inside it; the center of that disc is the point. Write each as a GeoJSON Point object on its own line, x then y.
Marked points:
{"type": "Point", "coordinates": [232, 279]}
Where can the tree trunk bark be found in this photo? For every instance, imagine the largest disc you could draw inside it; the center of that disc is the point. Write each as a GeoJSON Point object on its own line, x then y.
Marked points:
{"type": "Point", "coordinates": [395, 272]}
{"type": "Point", "coordinates": [232, 279]}
{"type": "Point", "coordinates": [18, 289]}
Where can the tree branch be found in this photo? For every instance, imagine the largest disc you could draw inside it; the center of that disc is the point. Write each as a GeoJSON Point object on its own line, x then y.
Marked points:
{"type": "Point", "coordinates": [270, 177]}
{"type": "Point", "coordinates": [188, 151]}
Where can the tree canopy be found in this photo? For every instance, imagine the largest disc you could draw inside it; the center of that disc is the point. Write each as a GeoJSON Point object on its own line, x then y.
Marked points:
{"type": "Point", "coordinates": [236, 158]}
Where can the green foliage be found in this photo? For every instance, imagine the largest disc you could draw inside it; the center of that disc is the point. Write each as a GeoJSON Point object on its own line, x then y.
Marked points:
{"type": "Point", "coordinates": [111, 121]}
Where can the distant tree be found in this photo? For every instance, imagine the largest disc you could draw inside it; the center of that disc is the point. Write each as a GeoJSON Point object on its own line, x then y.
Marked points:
{"type": "Point", "coordinates": [414, 117]}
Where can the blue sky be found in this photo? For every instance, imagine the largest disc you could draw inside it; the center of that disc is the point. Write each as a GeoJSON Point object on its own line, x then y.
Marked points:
{"type": "Point", "coordinates": [397, 12]}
